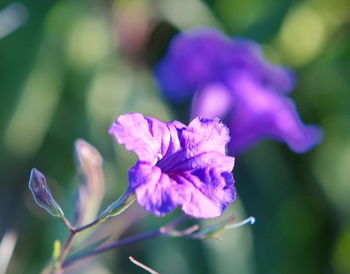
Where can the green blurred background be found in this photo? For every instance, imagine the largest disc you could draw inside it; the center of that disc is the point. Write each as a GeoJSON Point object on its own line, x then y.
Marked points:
{"type": "Point", "coordinates": [68, 68]}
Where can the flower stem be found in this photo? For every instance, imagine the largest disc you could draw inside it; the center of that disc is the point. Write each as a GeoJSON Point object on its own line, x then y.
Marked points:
{"type": "Point", "coordinates": [128, 240]}
{"type": "Point", "coordinates": [150, 270]}
{"type": "Point", "coordinates": [67, 223]}
{"type": "Point", "coordinates": [91, 224]}
{"type": "Point", "coordinates": [125, 241]}
{"type": "Point", "coordinates": [64, 253]}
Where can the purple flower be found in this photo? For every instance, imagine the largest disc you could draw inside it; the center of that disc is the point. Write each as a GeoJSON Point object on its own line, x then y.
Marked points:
{"type": "Point", "coordinates": [230, 79]}
{"type": "Point", "coordinates": [178, 165]}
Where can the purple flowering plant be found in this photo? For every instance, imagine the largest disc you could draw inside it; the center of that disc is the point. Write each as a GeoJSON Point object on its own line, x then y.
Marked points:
{"type": "Point", "coordinates": [230, 79]}
{"type": "Point", "coordinates": [178, 166]}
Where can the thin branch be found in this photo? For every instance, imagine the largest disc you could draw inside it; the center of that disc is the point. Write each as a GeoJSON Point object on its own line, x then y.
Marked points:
{"type": "Point", "coordinates": [150, 270]}
{"type": "Point", "coordinates": [83, 227]}
{"type": "Point", "coordinates": [129, 240]}
{"type": "Point", "coordinates": [64, 253]}
{"type": "Point", "coordinates": [125, 241]}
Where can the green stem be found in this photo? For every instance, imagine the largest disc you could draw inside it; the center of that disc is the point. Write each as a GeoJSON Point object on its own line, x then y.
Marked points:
{"type": "Point", "coordinates": [58, 265]}
{"type": "Point", "coordinates": [116, 208]}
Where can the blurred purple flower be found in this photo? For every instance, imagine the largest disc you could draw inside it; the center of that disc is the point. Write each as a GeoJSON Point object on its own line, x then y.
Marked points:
{"type": "Point", "coordinates": [178, 165]}
{"type": "Point", "coordinates": [230, 79]}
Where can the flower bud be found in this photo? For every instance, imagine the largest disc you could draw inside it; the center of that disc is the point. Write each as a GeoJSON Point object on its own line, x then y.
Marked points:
{"type": "Point", "coordinates": [91, 188]}
{"type": "Point", "coordinates": [42, 194]}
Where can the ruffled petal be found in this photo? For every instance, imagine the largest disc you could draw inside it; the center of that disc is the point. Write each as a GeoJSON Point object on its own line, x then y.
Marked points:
{"type": "Point", "coordinates": [147, 137]}
{"type": "Point", "coordinates": [155, 191]}
{"type": "Point", "coordinates": [180, 161]}
{"type": "Point", "coordinates": [204, 135]}
{"type": "Point", "coordinates": [175, 128]}
{"type": "Point", "coordinates": [195, 58]}
{"type": "Point", "coordinates": [260, 113]}
{"type": "Point", "coordinates": [248, 57]}
{"type": "Point", "coordinates": [202, 144]}
{"type": "Point", "coordinates": [207, 192]}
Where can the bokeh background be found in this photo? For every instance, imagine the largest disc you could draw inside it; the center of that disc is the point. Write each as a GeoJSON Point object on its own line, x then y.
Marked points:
{"type": "Point", "coordinates": [68, 68]}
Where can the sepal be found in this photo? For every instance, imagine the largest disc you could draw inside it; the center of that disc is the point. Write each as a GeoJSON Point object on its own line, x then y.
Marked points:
{"type": "Point", "coordinates": [117, 207]}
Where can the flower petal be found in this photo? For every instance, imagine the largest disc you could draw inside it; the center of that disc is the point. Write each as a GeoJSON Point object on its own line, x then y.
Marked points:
{"type": "Point", "coordinates": [208, 192]}
{"type": "Point", "coordinates": [195, 58]}
{"type": "Point", "coordinates": [211, 159]}
{"type": "Point", "coordinates": [202, 144]}
{"type": "Point", "coordinates": [147, 137]}
{"type": "Point", "coordinates": [199, 57]}
{"type": "Point", "coordinates": [181, 162]}
{"type": "Point", "coordinates": [212, 101]}
{"type": "Point", "coordinates": [248, 57]}
{"type": "Point", "coordinates": [204, 135]}
{"type": "Point", "coordinates": [155, 191]}
{"type": "Point", "coordinates": [260, 113]}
